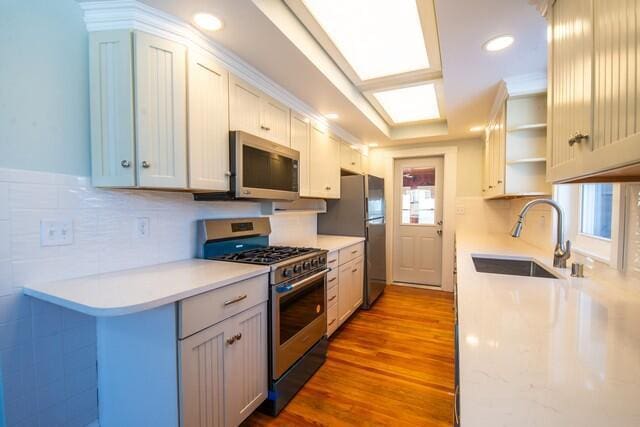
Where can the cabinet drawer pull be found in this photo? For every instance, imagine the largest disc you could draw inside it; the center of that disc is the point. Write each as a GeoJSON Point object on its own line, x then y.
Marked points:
{"type": "Point", "coordinates": [332, 298]}
{"type": "Point", "coordinates": [327, 188]}
{"type": "Point", "coordinates": [265, 128]}
{"type": "Point", "coordinates": [490, 187]}
{"type": "Point", "coordinates": [332, 322]}
{"type": "Point", "coordinates": [577, 138]}
{"type": "Point", "coordinates": [332, 279]}
{"type": "Point", "coordinates": [125, 163]}
{"type": "Point", "coordinates": [354, 270]}
{"type": "Point", "coordinates": [235, 300]}
{"type": "Point", "coordinates": [499, 182]}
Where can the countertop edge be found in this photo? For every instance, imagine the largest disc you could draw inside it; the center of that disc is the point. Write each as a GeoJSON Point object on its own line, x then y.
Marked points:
{"type": "Point", "coordinates": [97, 311]}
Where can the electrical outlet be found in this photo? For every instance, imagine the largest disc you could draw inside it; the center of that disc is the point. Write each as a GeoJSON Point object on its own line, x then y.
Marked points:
{"type": "Point", "coordinates": [56, 232]}
{"type": "Point", "coordinates": [459, 210]}
{"type": "Point", "coordinates": [142, 228]}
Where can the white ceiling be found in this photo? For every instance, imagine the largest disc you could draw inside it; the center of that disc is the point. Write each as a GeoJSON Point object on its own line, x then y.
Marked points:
{"type": "Point", "coordinates": [470, 74]}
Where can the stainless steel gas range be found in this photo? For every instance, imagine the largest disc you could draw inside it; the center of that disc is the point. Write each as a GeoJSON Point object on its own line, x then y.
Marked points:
{"type": "Point", "coordinates": [297, 312]}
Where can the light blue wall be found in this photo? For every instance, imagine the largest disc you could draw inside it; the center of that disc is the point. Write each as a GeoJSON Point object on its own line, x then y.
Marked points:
{"type": "Point", "coordinates": [44, 86]}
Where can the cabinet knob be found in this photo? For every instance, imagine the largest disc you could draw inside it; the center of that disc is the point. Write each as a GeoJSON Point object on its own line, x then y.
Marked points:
{"type": "Point", "coordinates": [577, 138]}
{"type": "Point", "coordinates": [490, 187]}
{"type": "Point", "coordinates": [499, 182]}
{"type": "Point", "coordinates": [238, 336]}
{"type": "Point", "coordinates": [265, 128]}
{"type": "Point", "coordinates": [327, 188]}
{"type": "Point", "coordinates": [146, 164]}
{"type": "Point", "coordinates": [231, 340]}
{"type": "Point", "coordinates": [125, 163]}
{"type": "Point", "coordinates": [227, 173]}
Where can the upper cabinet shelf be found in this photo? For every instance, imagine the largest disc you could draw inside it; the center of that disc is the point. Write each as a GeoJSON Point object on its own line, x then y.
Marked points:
{"type": "Point", "coordinates": [515, 162]}
{"type": "Point", "coordinates": [594, 120]}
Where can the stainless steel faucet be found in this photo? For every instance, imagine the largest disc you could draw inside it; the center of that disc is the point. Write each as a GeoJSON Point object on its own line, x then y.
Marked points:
{"type": "Point", "coordinates": [562, 251]}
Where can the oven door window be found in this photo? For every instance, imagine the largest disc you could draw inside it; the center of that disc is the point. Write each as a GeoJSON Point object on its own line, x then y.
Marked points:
{"type": "Point", "coordinates": [301, 307]}
{"type": "Point", "coordinates": [271, 171]}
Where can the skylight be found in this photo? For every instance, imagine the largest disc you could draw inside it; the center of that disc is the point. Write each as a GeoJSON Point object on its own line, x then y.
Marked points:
{"type": "Point", "coordinates": [377, 37]}
{"type": "Point", "coordinates": [410, 104]}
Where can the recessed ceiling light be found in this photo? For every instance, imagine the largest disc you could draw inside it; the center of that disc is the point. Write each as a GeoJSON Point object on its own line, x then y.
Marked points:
{"type": "Point", "coordinates": [373, 145]}
{"type": "Point", "coordinates": [476, 128]}
{"type": "Point", "coordinates": [377, 38]}
{"type": "Point", "coordinates": [498, 43]}
{"type": "Point", "coordinates": [208, 22]}
{"type": "Point", "coordinates": [331, 116]}
{"type": "Point", "coordinates": [410, 104]}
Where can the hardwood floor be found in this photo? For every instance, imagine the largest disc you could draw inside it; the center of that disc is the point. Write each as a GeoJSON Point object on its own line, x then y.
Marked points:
{"type": "Point", "coordinates": [392, 365]}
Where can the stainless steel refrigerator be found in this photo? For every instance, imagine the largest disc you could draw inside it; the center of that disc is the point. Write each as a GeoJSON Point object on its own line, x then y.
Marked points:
{"type": "Point", "coordinates": [360, 212]}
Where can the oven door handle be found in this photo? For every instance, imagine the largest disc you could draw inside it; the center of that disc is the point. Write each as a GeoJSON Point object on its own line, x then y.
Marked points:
{"type": "Point", "coordinates": [285, 289]}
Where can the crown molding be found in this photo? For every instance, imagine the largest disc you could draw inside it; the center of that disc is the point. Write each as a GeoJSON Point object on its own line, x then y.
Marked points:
{"type": "Point", "coordinates": [543, 6]}
{"type": "Point", "coordinates": [526, 84]}
{"type": "Point", "coordinates": [133, 15]}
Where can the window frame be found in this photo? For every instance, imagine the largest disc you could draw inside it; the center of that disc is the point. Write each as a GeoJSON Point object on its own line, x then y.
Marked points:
{"type": "Point", "coordinates": [607, 251]}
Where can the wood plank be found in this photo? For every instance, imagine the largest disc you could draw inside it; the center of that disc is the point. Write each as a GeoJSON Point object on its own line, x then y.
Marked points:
{"type": "Point", "coordinates": [391, 365]}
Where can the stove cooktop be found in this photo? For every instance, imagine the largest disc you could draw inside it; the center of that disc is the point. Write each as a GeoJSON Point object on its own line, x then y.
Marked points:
{"type": "Point", "coordinates": [267, 255]}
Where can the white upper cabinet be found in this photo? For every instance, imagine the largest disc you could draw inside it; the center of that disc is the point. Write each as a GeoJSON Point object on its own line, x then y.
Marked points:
{"type": "Point", "coordinates": [112, 133]}
{"type": "Point", "coordinates": [515, 146]}
{"type": "Point", "coordinates": [159, 136]}
{"type": "Point", "coordinates": [350, 158]}
{"type": "Point", "coordinates": [160, 110]}
{"type": "Point", "coordinates": [300, 142]}
{"type": "Point", "coordinates": [324, 166]}
{"type": "Point", "coordinates": [569, 79]}
{"type": "Point", "coordinates": [594, 114]}
{"type": "Point", "coordinates": [208, 123]}
{"type": "Point", "coordinates": [253, 111]}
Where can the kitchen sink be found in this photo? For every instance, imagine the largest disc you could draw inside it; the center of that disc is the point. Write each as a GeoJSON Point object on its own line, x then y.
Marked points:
{"type": "Point", "coordinates": [511, 266]}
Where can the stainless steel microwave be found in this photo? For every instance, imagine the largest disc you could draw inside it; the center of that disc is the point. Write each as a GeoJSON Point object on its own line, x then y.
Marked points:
{"type": "Point", "coordinates": [261, 169]}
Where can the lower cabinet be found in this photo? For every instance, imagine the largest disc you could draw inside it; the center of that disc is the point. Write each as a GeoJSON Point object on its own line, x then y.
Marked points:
{"type": "Point", "coordinates": [224, 370]}
{"type": "Point", "coordinates": [345, 285]}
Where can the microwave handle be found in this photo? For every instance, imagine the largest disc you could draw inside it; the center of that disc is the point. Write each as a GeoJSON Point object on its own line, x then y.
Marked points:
{"type": "Point", "coordinates": [285, 289]}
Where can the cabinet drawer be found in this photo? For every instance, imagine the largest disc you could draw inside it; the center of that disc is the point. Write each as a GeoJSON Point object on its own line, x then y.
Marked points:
{"type": "Point", "coordinates": [332, 296]}
{"type": "Point", "coordinates": [332, 319]}
{"type": "Point", "coordinates": [201, 311]}
{"type": "Point", "coordinates": [332, 260]}
{"type": "Point", "coordinates": [351, 252]}
{"type": "Point", "coordinates": [332, 278]}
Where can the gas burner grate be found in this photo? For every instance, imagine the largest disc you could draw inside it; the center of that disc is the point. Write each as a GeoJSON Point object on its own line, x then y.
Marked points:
{"type": "Point", "coordinates": [265, 256]}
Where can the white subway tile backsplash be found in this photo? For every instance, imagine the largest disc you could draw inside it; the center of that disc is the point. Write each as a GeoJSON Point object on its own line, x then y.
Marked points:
{"type": "Point", "coordinates": [32, 196]}
{"type": "Point", "coordinates": [53, 350]}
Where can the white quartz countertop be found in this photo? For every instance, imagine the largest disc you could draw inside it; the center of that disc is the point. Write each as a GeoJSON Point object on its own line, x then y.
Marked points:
{"type": "Point", "coordinates": [131, 291]}
{"type": "Point", "coordinates": [334, 243]}
{"type": "Point", "coordinates": [545, 352]}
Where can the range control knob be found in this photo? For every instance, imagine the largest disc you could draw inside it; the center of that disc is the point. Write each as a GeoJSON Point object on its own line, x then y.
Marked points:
{"type": "Point", "coordinates": [306, 265]}
{"type": "Point", "coordinates": [297, 268]}
{"type": "Point", "coordinates": [323, 260]}
{"type": "Point", "coordinates": [314, 262]}
{"type": "Point", "coordinates": [287, 272]}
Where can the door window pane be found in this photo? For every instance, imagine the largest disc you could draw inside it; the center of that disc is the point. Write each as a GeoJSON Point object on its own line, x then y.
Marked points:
{"type": "Point", "coordinates": [418, 196]}
{"type": "Point", "coordinates": [595, 208]}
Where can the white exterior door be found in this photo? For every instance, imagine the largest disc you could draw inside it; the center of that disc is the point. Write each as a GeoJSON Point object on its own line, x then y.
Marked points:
{"type": "Point", "coordinates": [417, 248]}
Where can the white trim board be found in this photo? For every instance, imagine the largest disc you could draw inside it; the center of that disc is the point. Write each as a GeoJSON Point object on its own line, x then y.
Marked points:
{"type": "Point", "coordinates": [131, 14]}
{"type": "Point", "coordinates": [450, 155]}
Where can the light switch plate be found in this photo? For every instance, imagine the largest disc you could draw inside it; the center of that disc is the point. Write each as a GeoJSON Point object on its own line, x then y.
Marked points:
{"type": "Point", "coordinates": [142, 228]}
{"type": "Point", "coordinates": [56, 232]}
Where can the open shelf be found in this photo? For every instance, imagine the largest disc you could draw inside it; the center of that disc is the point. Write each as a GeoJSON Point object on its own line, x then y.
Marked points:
{"type": "Point", "coordinates": [530, 126]}
{"type": "Point", "coordinates": [527, 160]}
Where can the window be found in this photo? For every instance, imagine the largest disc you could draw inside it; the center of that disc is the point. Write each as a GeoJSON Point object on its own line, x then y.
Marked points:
{"type": "Point", "coordinates": [596, 207]}
{"type": "Point", "coordinates": [418, 196]}
{"type": "Point", "coordinates": [592, 219]}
